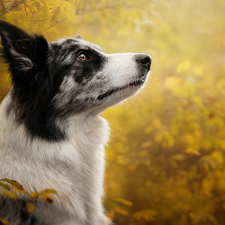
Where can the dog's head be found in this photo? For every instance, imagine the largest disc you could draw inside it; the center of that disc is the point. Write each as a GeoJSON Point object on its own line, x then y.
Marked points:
{"type": "Point", "coordinates": [70, 76]}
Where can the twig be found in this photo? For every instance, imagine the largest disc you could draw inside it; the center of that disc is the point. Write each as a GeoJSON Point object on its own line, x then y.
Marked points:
{"type": "Point", "coordinates": [111, 6]}
{"type": "Point", "coordinates": [13, 7]}
{"type": "Point", "coordinates": [25, 5]}
{"type": "Point", "coordinates": [3, 6]}
{"type": "Point", "coordinates": [57, 23]}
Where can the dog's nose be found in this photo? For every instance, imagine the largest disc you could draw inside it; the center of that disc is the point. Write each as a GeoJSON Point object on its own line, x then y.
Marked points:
{"type": "Point", "coordinates": [144, 60]}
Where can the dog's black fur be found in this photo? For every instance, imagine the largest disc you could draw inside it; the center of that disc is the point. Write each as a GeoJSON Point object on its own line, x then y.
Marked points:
{"type": "Point", "coordinates": [37, 75]}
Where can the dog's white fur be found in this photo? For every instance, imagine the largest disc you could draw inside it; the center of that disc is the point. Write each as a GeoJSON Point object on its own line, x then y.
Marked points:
{"type": "Point", "coordinates": [83, 154]}
{"type": "Point", "coordinates": [74, 167]}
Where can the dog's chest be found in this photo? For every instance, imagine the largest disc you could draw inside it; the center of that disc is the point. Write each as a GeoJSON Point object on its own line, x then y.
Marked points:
{"type": "Point", "coordinates": [73, 167]}
{"type": "Point", "coordinates": [67, 165]}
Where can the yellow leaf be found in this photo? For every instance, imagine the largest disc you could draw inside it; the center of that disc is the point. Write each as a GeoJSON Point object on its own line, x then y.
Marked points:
{"type": "Point", "coordinates": [183, 66]}
{"type": "Point", "coordinates": [199, 70]}
{"type": "Point", "coordinates": [68, 11]}
{"type": "Point", "coordinates": [46, 197]}
{"type": "Point", "coordinates": [50, 10]}
{"type": "Point", "coordinates": [13, 182]}
{"type": "Point", "coordinates": [198, 101]}
{"type": "Point", "coordinates": [212, 218]}
{"type": "Point", "coordinates": [165, 139]}
{"type": "Point", "coordinates": [123, 201]}
{"type": "Point", "coordinates": [10, 194]}
{"type": "Point", "coordinates": [132, 167]}
{"type": "Point", "coordinates": [149, 129]}
{"type": "Point", "coordinates": [5, 186]}
{"type": "Point", "coordinates": [14, 15]}
{"type": "Point", "coordinates": [123, 160]}
{"type": "Point", "coordinates": [207, 185]}
{"type": "Point", "coordinates": [34, 195]}
{"type": "Point", "coordinates": [144, 153]}
{"type": "Point", "coordinates": [50, 191]}
{"type": "Point", "coordinates": [158, 137]}
{"type": "Point", "coordinates": [34, 9]}
{"type": "Point", "coordinates": [146, 144]}
{"type": "Point", "coordinates": [121, 211]}
{"type": "Point", "coordinates": [192, 151]}
{"type": "Point", "coordinates": [178, 157]}
{"type": "Point", "coordinates": [188, 138]}
{"type": "Point", "coordinates": [148, 215]}
{"type": "Point", "coordinates": [54, 3]}
{"type": "Point", "coordinates": [156, 123]}
{"type": "Point", "coordinates": [41, 3]}
{"type": "Point", "coordinates": [170, 82]}
{"type": "Point", "coordinates": [52, 31]}
{"type": "Point", "coordinates": [4, 221]}
{"type": "Point", "coordinates": [20, 190]}
{"type": "Point", "coordinates": [30, 207]}
{"type": "Point", "coordinates": [218, 156]}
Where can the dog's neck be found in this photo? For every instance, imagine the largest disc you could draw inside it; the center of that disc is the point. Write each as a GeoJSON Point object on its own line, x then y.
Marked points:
{"type": "Point", "coordinates": [87, 123]}
{"type": "Point", "coordinates": [91, 126]}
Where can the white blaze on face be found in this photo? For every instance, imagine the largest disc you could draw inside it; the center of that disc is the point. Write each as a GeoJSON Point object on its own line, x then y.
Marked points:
{"type": "Point", "coordinates": [121, 69]}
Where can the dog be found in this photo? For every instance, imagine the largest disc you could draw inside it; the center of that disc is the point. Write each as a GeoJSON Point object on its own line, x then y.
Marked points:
{"type": "Point", "coordinates": [51, 131]}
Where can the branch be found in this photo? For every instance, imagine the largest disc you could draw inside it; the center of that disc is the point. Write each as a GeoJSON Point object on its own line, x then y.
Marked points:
{"type": "Point", "coordinates": [3, 6]}
{"type": "Point", "coordinates": [57, 23]}
{"type": "Point", "coordinates": [111, 6]}
{"type": "Point", "coordinates": [25, 5]}
{"type": "Point", "coordinates": [19, 3]}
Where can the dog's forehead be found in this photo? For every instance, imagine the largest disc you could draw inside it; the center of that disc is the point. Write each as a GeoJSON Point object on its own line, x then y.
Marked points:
{"type": "Point", "coordinates": [76, 44]}
{"type": "Point", "coordinates": [89, 45]}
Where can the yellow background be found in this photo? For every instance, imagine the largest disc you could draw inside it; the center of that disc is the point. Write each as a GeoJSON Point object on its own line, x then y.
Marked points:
{"type": "Point", "coordinates": [165, 159]}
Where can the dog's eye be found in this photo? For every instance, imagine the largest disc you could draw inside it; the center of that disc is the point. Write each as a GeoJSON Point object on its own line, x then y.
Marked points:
{"type": "Point", "coordinates": [82, 57]}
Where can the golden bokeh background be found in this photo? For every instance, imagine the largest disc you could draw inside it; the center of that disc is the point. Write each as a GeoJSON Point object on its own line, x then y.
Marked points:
{"type": "Point", "coordinates": [166, 156]}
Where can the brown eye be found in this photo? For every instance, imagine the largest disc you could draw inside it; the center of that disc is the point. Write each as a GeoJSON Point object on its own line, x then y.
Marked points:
{"type": "Point", "coordinates": [82, 57]}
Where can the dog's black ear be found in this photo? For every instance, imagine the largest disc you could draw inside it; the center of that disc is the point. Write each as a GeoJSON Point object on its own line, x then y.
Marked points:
{"type": "Point", "coordinates": [21, 51]}
{"type": "Point", "coordinates": [26, 57]}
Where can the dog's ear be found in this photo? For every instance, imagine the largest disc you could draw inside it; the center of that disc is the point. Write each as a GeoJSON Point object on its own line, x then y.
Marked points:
{"type": "Point", "coordinates": [79, 37]}
{"type": "Point", "coordinates": [21, 51]}
{"type": "Point", "coordinates": [26, 57]}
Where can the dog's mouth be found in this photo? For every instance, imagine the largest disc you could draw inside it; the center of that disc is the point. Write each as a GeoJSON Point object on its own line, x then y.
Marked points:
{"type": "Point", "coordinates": [135, 83]}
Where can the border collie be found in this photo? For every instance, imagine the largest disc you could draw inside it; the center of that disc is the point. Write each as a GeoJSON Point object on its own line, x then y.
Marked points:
{"type": "Point", "coordinates": [51, 132]}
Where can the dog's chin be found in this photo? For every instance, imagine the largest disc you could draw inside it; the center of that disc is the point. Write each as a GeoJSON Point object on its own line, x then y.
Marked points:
{"type": "Point", "coordinates": [117, 95]}
{"type": "Point", "coordinates": [130, 87]}
{"type": "Point", "coordinates": [125, 92]}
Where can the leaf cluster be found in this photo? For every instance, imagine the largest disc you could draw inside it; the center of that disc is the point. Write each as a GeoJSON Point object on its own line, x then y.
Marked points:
{"type": "Point", "coordinates": [13, 189]}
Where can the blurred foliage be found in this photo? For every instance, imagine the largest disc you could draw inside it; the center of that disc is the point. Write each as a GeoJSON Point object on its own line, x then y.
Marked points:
{"type": "Point", "coordinates": [166, 158]}
{"type": "Point", "coordinates": [14, 190]}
